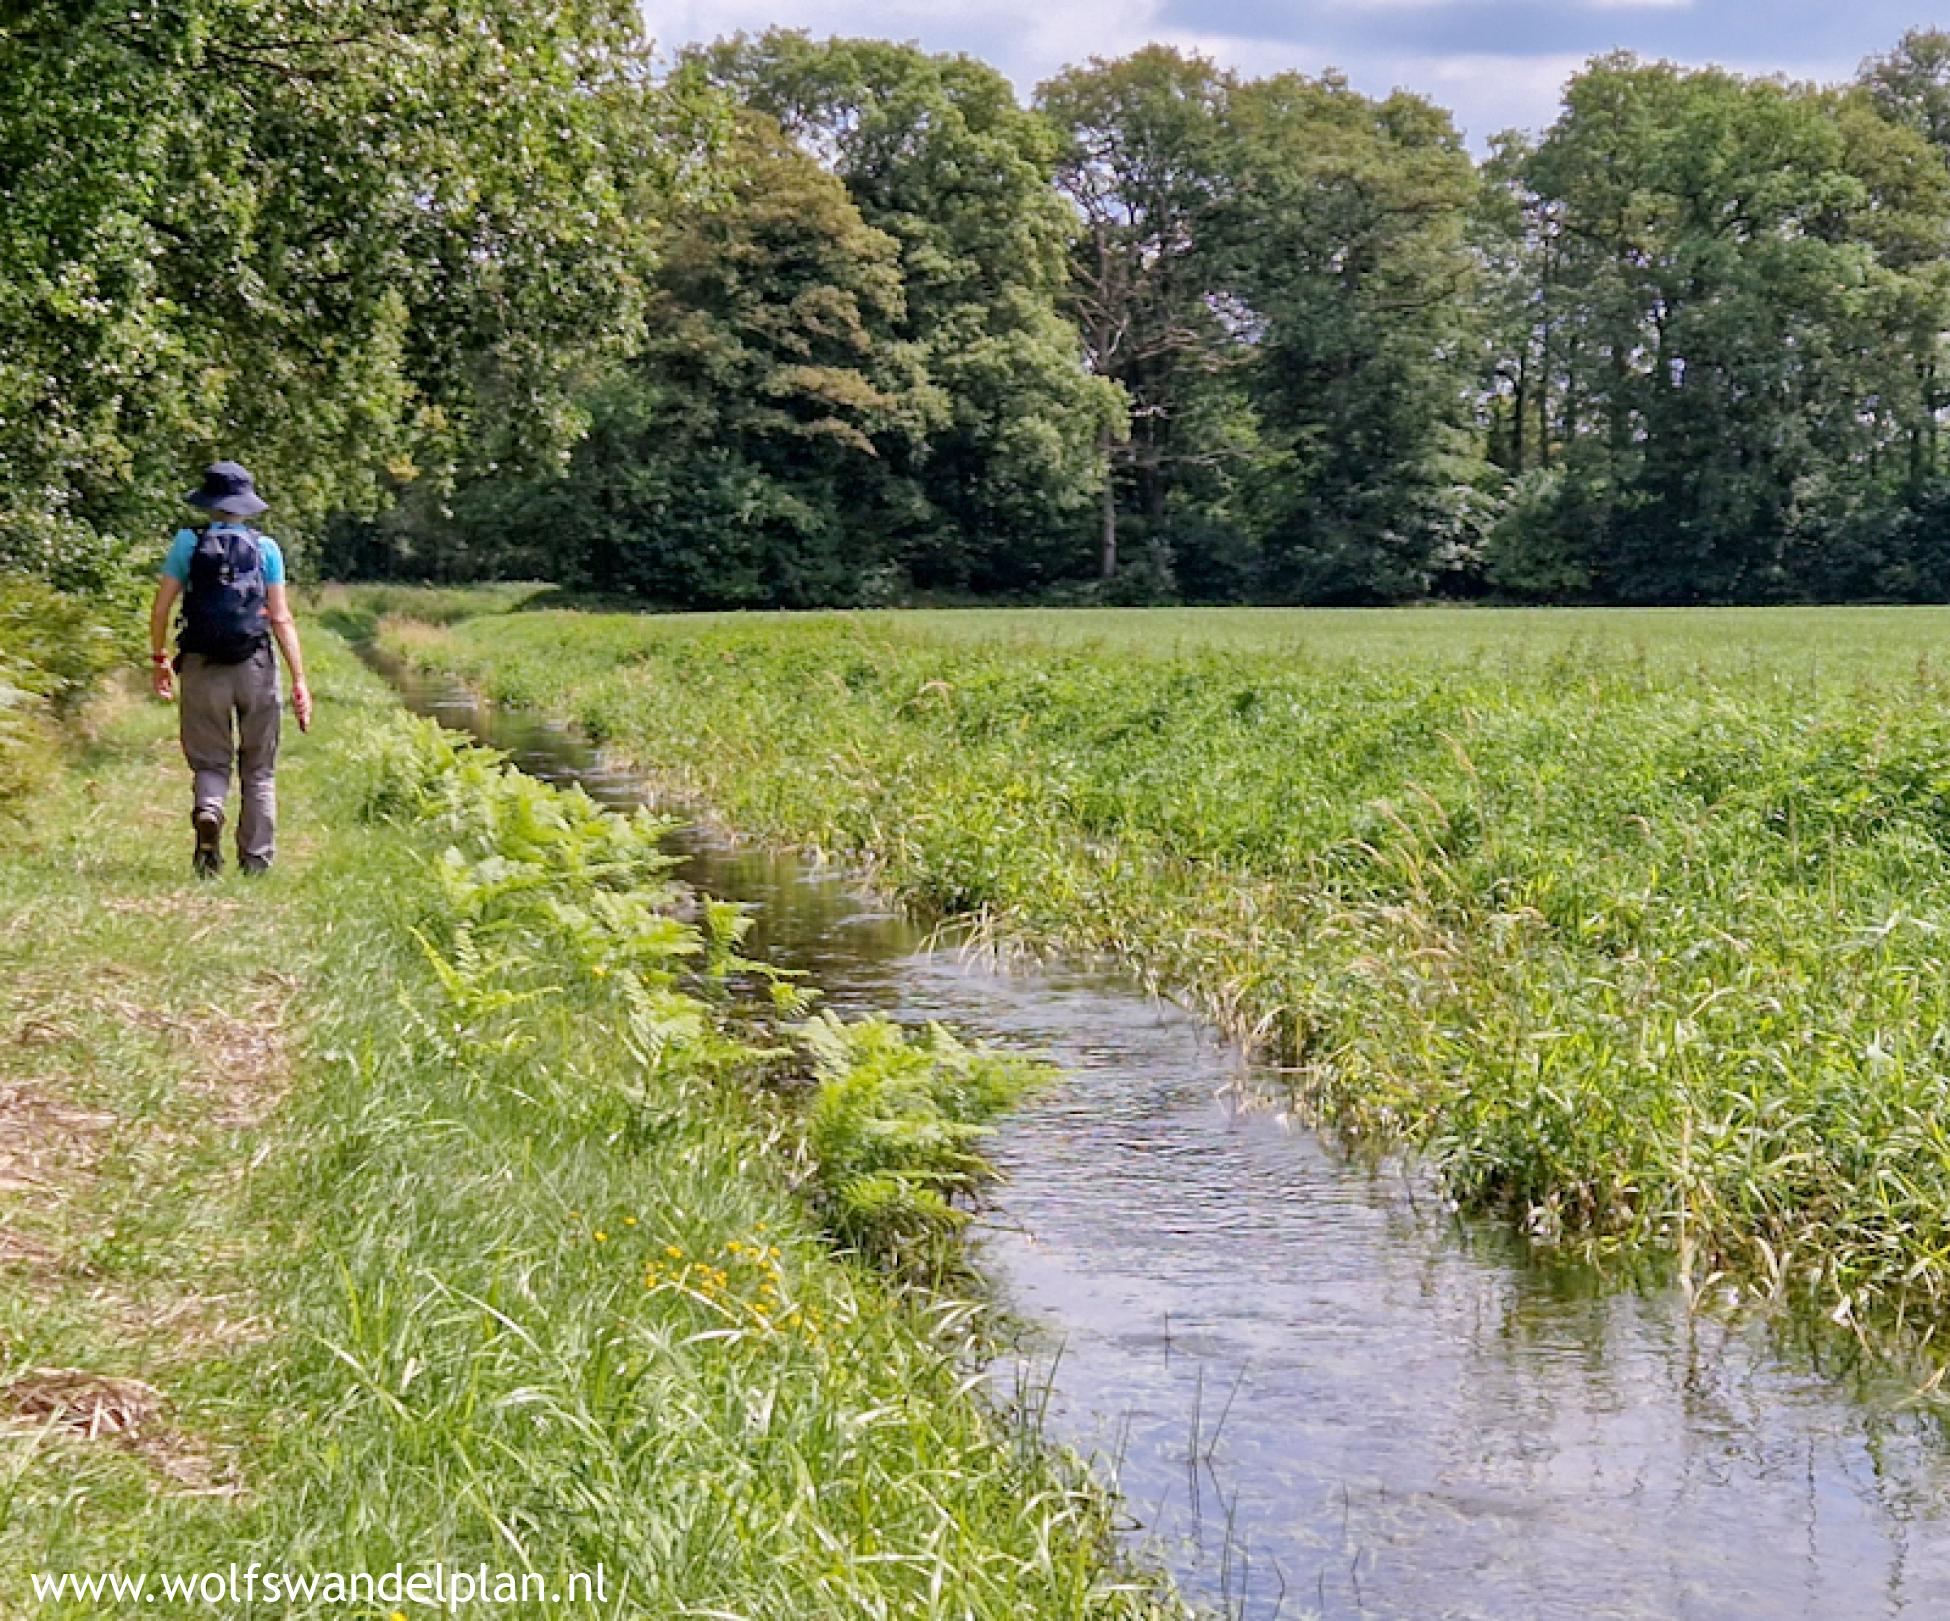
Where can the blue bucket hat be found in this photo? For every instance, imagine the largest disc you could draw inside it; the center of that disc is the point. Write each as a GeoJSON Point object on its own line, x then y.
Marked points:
{"type": "Point", "coordinates": [227, 488]}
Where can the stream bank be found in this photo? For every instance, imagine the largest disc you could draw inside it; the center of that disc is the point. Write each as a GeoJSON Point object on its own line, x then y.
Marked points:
{"type": "Point", "coordinates": [1317, 1393]}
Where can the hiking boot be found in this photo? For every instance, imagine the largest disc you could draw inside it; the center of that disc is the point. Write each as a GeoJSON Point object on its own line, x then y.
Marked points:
{"type": "Point", "coordinates": [208, 823]}
{"type": "Point", "coordinates": [253, 866]}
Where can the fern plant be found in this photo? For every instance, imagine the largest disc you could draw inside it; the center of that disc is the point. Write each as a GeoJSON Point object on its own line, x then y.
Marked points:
{"type": "Point", "coordinates": [540, 889]}
{"type": "Point", "coordinates": [894, 1125]}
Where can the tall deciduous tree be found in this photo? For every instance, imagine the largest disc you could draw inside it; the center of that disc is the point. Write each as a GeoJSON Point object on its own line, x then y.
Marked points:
{"type": "Point", "coordinates": [337, 239]}
{"type": "Point", "coordinates": [1143, 163]}
{"type": "Point", "coordinates": [1737, 294]}
{"type": "Point", "coordinates": [746, 456]}
{"type": "Point", "coordinates": [936, 152]}
{"type": "Point", "coordinates": [1911, 84]}
{"type": "Point", "coordinates": [1346, 239]}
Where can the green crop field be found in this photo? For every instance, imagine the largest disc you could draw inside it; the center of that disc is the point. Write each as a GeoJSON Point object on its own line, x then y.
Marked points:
{"type": "Point", "coordinates": [1633, 924]}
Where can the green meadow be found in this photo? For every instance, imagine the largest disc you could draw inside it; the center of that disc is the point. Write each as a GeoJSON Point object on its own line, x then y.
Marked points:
{"type": "Point", "coordinates": [1810, 643]}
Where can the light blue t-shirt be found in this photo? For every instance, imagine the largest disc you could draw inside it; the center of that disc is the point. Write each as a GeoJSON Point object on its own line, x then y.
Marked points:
{"type": "Point", "coordinates": [177, 564]}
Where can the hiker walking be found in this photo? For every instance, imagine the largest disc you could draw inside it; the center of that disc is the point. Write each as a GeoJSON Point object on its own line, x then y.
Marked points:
{"type": "Point", "coordinates": [231, 580]}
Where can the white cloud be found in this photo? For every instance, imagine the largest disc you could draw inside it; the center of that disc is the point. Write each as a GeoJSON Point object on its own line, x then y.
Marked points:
{"type": "Point", "coordinates": [1031, 39]}
{"type": "Point", "coordinates": [1487, 93]}
{"type": "Point", "coordinates": [1490, 93]}
{"type": "Point", "coordinates": [1027, 39]}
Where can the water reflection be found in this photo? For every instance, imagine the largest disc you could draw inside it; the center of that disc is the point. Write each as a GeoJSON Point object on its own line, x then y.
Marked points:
{"type": "Point", "coordinates": [1322, 1395]}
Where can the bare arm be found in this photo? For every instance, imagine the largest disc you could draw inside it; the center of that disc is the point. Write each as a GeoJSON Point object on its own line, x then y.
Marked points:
{"type": "Point", "coordinates": [167, 591]}
{"type": "Point", "coordinates": [277, 609]}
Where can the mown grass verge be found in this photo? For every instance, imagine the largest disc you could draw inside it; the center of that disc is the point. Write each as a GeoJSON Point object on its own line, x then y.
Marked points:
{"type": "Point", "coordinates": [1649, 954]}
{"type": "Point", "coordinates": [448, 1197]}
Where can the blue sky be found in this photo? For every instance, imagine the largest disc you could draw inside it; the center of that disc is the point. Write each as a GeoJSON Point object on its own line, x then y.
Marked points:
{"type": "Point", "coordinates": [1495, 63]}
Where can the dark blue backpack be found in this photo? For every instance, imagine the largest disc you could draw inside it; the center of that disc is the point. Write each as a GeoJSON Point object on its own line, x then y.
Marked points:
{"type": "Point", "coordinates": [223, 605]}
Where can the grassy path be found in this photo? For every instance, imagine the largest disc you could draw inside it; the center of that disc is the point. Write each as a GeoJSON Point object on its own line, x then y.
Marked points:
{"type": "Point", "coordinates": [145, 1026]}
{"type": "Point", "coordinates": [353, 1219]}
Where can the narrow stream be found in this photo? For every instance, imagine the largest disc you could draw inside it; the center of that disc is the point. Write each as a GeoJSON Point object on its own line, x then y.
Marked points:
{"type": "Point", "coordinates": [1320, 1394]}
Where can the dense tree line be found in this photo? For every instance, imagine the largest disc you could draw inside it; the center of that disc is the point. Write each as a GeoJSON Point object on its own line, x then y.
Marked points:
{"type": "Point", "coordinates": [1720, 309]}
{"type": "Point", "coordinates": [366, 245]}
{"type": "Point", "coordinates": [858, 377]}
{"type": "Point", "coordinates": [802, 322]}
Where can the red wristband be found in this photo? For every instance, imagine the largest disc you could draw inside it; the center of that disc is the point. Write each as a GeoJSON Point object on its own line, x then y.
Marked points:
{"type": "Point", "coordinates": [158, 658]}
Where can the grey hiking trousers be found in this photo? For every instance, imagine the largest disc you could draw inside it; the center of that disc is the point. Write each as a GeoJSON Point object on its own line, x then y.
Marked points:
{"type": "Point", "coordinates": [211, 698]}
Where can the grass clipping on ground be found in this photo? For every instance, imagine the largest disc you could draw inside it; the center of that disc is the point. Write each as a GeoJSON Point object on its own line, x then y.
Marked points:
{"type": "Point", "coordinates": [452, 1197]}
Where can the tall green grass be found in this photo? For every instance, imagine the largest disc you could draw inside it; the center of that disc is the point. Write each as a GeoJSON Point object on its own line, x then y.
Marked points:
{"type": "Point", "coordinates": [1645, 948]}
{"type": "Point", "coordinates": [539, 1244]}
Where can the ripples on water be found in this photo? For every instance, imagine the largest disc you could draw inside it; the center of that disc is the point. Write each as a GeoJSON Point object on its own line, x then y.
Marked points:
{"type": "Point", "coordinates": [1321, 1395]}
